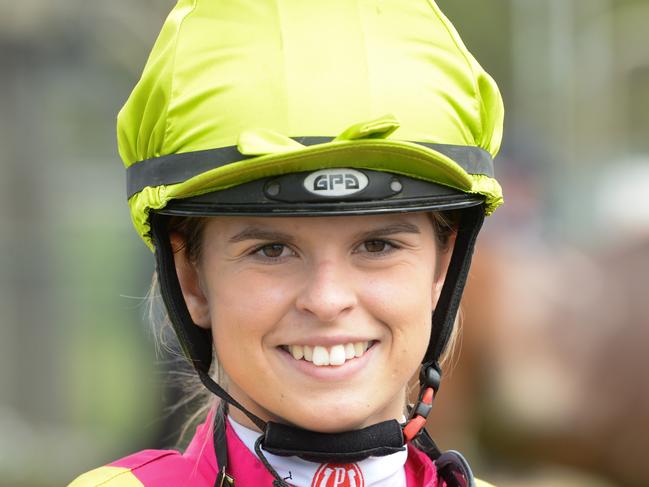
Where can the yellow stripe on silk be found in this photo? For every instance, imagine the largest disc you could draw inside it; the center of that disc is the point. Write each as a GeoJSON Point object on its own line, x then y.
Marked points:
{"type": "Point", "coordinates": [107, 477]}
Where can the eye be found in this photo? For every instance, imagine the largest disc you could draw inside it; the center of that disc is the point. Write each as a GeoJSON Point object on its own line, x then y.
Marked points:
{"type": "Point", "coordinates": [273, 251]}
{"type": "Point", "coordinates": [377, 246]}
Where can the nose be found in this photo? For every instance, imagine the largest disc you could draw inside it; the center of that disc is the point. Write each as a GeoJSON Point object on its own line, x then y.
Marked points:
{"type": "Point", "coordinates": [327, 293]}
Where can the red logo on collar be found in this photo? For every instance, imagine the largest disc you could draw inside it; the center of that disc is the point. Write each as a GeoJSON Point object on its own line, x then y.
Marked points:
{"type": "Point", "coordinates": [338, 475]}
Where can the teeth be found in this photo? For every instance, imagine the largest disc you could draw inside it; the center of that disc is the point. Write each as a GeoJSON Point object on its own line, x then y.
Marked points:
{"type": "Point", "coordinates": [323, 356]}
{"type": "Point", "coordinates": [297, 351]}
{"type": "Point", "coordinates": [320, 356]}
{"type": "Point", "coordinates": [337, 355]}
{"type": "Point", "coordinates": [308, 353]}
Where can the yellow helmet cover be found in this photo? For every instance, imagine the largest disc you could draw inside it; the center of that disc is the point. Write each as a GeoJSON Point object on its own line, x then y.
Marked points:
{"type": "Point", "coordinates": [384, 85]}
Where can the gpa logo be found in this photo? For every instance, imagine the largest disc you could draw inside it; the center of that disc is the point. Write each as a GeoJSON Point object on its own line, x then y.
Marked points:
{"type": "Point", "coordinates": [335, 182]}
{"type": "Point", "coordinates": [338, 475]}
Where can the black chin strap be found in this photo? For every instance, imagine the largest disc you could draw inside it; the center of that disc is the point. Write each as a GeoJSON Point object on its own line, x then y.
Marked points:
{"type": "Point", "coordinates": [376, 440]}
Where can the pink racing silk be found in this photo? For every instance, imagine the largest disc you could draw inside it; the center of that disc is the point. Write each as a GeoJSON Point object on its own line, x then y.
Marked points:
{"type": "Point", "coordinates": [197, 467]}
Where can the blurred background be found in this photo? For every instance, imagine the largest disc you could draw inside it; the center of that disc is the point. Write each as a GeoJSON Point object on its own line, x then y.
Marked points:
{"type": "Point", "coordinates": [550, 388]}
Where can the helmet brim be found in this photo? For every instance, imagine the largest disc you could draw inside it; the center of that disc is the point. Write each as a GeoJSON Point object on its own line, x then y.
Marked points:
{"type": "Point", "coordinates": [413, 160]}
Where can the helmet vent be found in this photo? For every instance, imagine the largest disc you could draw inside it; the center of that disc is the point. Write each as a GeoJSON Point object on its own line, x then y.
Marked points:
{"type": "Point", "coordinates": [396, 186]}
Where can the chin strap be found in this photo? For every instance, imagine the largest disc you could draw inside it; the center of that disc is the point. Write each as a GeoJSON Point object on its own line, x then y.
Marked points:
{"type": "Point", "coordinates": [377, 440]}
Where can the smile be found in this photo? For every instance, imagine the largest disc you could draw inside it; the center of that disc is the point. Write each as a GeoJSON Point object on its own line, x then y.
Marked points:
{"type": "Point", "coordinates": [322, 356]}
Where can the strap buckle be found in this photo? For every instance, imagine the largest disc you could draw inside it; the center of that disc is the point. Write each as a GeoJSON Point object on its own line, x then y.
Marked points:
{"type": "Point", "coordinates": [430, 377]}
{"type": "Point", "coordinates": [225, 479]}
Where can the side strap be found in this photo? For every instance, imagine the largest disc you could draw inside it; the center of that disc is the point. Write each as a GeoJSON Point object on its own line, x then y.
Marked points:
{"type": "Point", "coordinates": [195, 341]}
{"type": "Point", "coordinates": [221, 447]}
{"type": "Point", "coordinates": [456, 276]}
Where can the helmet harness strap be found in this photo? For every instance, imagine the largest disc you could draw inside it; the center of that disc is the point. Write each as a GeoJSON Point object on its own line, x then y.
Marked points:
{"type": "Point", "coordinates": [430, 374]}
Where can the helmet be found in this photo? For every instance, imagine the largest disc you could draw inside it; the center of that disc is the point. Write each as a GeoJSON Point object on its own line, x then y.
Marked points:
{"type": "Point", "coordinates": [311, 108]}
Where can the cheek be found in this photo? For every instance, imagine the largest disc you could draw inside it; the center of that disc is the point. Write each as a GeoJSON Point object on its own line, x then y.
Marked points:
{"type": "Point", "coordinates": [402, 301]}
{"type": "Point", "coordinates": [244, 306]}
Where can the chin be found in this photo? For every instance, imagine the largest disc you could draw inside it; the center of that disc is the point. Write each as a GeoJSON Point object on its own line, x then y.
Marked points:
{"type": "Point", "coordinates": [336, 421]}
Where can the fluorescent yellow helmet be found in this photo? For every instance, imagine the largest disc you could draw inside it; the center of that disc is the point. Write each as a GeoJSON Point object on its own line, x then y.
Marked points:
{"type": "Point", "coordinates": [247, 90]}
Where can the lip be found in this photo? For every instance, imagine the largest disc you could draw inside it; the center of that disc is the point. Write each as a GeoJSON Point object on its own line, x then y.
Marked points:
{"type": "Point", "coordinates": [330, 372]}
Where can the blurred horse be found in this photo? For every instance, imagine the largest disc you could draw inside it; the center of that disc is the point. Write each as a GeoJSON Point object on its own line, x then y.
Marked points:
{"type": "Point", "coordinates": [554, 361]}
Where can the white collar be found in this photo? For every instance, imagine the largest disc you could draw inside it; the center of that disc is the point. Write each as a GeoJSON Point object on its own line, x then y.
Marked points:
{"type": "Point", "coordinates": [387, 471]}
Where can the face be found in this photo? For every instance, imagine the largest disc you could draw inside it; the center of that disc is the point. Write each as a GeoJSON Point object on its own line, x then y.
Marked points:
{"type": "Point", "coordinates": [318, 322]}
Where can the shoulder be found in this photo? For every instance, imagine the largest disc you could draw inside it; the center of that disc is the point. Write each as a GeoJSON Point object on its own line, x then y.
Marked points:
{"type": "Point", "coordinates": [106, 476]}
{"type": "Point", "coordinates": [150, 468]}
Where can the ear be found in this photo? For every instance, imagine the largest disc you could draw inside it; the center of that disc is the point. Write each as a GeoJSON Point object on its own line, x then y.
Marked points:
{"type": "Point", "coordinates": [441, 267]}
{"type": "Point", "coordinates": [190, 283]}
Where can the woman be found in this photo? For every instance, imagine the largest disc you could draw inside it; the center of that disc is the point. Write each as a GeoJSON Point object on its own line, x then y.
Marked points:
{"type": "Point", "coordinates": [311, 177]}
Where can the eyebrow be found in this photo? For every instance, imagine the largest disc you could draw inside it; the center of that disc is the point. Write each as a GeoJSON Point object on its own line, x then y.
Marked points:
{"type": "Point", "coordinates": [391, 230]}
{"type": "Point", "coordinates": [256, 233]}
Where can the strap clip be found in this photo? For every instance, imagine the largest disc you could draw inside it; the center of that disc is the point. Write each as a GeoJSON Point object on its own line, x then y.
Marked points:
{"type": "Point", "coordinates": [430, 375]}
{"type": "Point", "coordinates": [430, 378]}
{"type": "Point", "coordinates": [224, 480]}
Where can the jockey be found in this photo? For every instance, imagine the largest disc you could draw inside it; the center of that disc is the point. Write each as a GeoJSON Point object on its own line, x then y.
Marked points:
{"type": "Point", "coordinates": [311, 178]}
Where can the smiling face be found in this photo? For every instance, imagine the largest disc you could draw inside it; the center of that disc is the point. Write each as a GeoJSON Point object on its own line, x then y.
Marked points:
{"type": "Point", "coordinates": [318, 322]}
